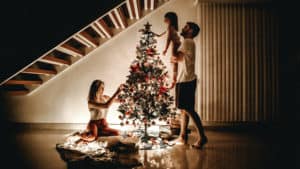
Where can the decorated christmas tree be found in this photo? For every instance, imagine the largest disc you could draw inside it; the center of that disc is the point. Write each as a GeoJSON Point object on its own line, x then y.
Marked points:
{"type": "Point", "coordinates": [145, 96]}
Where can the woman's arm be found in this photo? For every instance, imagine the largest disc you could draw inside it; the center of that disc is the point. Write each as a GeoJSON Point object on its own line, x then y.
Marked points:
{"type": "Point", "coordinates": [93, 104]}
{"type": "Point", "coordinates": [112, 98]}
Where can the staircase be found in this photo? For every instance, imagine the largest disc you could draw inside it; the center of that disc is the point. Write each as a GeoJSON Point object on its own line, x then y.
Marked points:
{"type": "Point", "coordinates": [78, 46]}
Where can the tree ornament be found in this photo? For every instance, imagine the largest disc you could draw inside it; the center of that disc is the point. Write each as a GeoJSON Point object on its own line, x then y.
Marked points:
{"type": "Point", "coordinates": [162, 90]}
{"type": "Point", "coordinates": [147, 79]}
{"type": "Point", "coordinates": [145, 98]}
{"type": "Point", "coordinates": [147, 64]}
{"type": "Point", "coordinates": [135, 67]}
{"type": "Point", "coordinates": [128, 113]}
{"type": "Point", "coordinates": [145, 120]}
{"type": "Point", "coordinates": [150, 52]}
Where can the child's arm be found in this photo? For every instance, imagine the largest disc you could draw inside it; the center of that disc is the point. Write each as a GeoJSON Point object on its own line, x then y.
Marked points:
{"type": "Point", "coordinates": [159, 35]}
{"type": "Point", "coordinates": [168, 42]}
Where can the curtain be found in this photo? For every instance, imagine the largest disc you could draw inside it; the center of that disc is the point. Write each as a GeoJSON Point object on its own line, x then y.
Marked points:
{"type": "Point", "coordinates": [237, 63]}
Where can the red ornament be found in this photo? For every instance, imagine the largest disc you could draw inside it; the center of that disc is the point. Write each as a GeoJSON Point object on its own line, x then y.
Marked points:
{"type": "Point", "coordinates": [153, 122]}
{"type": "Point", "coordinates": [147, 79]}
{"type": "Point", "coordinates": [135, 67]}
{"type": "Point", "coordinates": [120, 117]}
{"type": "Point", "coordinates": [150, 52]}
{"type": "Point", "coordinates": [162, 89]}
{"type": "Point", "coordinates": [145, 120]}
{"type": "Point", "coordinates": [146, 64]}
{"type": "Point", "coordinates": [128, 113]}
{"type": "Point", "coordinates": [127, 122]}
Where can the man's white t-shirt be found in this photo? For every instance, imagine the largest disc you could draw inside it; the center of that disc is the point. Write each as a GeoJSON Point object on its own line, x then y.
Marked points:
{"type": "Point", "coordinates": [186, 67]}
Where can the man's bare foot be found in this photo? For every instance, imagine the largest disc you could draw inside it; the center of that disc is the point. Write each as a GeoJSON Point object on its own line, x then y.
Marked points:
{"type": "Point", "coordinates": [200, 143]}
{"type": "Point", "coordinates": [178, 141]}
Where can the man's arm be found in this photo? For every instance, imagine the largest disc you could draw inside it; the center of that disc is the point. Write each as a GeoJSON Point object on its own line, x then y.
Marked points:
{"type": "Point", "coordinates": [175, 59]}
{"type": "Point", "coordinates": [178, 58]}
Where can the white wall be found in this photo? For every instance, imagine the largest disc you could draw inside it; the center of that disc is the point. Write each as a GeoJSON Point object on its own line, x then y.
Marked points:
{"type": "Point", "coordinates": [63, 100]}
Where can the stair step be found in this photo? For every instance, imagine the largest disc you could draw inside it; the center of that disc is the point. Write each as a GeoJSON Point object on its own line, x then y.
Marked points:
{"type": "Point", "coordinates": [104, 27]}
{"type": "Point", "coordinates": [39, 71]}
{"type": "Point", "coordinates": [24, 82]}
{"type": "Point", "coordinates": [17, 92]}
{"type": "Point", "coordinates": [88, 39]}
{"type": "Point", "coordinates": [65, 48]}
{"type": "Point", "coordinates": [55, 60]}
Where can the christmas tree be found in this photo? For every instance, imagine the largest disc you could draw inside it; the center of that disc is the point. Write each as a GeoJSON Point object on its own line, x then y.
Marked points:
{"type": "Point", "coordinates": [145, 96]}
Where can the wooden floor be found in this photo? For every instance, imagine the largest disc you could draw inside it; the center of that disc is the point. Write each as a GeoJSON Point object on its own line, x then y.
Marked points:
{"type": "Point", "coordinates": [225, 150]}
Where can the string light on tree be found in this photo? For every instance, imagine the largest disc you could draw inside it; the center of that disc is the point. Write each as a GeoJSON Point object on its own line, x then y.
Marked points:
{"type": "Point", "coordinates": [145, 96]}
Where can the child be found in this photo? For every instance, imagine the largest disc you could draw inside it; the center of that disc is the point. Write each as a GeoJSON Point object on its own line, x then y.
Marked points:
{"type": "Point", "coordinates": [172, 21]}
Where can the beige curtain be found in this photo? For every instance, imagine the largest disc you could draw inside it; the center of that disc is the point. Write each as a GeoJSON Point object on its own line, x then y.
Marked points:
{"type": "Point", "coordinates": [237, 63]}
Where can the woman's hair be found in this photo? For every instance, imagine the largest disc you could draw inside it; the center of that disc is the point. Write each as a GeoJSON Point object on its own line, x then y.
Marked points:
{"type": "Point", "coordinates": [172, 16]}
{"type": "Point", "coordinates": [94, 88]}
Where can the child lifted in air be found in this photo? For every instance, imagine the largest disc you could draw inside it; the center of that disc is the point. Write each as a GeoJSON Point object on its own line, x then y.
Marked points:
{"type": "Point", "coordinates": [171, 20]}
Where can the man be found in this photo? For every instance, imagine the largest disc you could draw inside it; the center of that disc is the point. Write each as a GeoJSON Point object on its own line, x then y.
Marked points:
{"type": "Point", "coordinates": [186, 85]}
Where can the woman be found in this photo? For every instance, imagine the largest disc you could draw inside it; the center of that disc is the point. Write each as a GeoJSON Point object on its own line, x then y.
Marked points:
{"type": "Point", "coordinates": [98, 105]}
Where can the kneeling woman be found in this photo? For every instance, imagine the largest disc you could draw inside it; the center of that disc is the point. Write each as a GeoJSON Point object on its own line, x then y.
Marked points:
{"type": "Point", "coordinates": [98, 105]}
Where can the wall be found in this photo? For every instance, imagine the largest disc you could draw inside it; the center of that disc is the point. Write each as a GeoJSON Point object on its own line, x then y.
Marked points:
{"type": "Point", "coordinates": [63, 100]}
{"type": "Point", "coordinates": [237, 66]}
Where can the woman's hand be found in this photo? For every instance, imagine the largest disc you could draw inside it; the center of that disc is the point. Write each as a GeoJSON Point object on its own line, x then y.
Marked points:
{"type": "Point", "coordinates": [121, 87]}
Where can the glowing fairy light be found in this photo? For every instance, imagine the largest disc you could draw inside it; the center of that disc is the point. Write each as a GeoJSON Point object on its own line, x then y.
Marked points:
{"type": "Point", "coordinates": [95, 147]}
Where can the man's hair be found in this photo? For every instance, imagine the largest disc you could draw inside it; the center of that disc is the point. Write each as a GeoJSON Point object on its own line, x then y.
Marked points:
{"type": "Point", "coordinates": [194, 27]}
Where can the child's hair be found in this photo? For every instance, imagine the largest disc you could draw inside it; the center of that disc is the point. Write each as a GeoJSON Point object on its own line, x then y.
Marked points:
{"type": "Point", "coordinates": [172, 16]}
{"type": "Point", "coordinates": [94, 88]}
